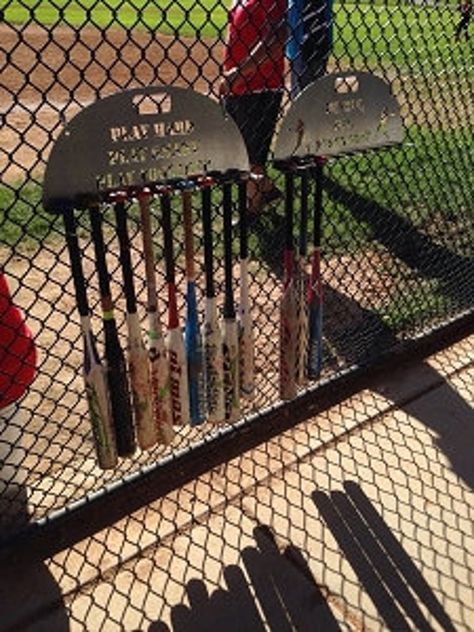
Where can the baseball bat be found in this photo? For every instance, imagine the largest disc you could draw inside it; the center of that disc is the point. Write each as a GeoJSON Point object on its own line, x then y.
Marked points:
{"type": "Point", "coordinates": [177, 358]}
{"type": "Point", "coordinates": [246, 340]}
{"type": "Point", "coordinates": [301, 286]}
{"type": "Point", "coordinates": [115, 361]}
{"type": "Point", "coordinates": [213, 351]}
{"type": "Point", "coordinates": [147, 431]}
{"type": "Point", "coordinates": [288, 302]}
{"type": "Point", "coordinates": [159, 368]}
{"type": "Point", "coordinates": [94, 372]}
{"type": "Point", "coordinates": [230, 334]}
{"type": "Point", "coordinates": [315, 288]}
{"type": "Point", "coordinates": [192, 334]}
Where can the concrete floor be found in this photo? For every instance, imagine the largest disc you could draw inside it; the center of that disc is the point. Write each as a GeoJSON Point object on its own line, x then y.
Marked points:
{"type": "Point", "coordinates": [358, 519]}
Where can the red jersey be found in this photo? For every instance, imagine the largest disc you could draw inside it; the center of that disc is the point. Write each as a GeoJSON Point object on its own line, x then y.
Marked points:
{"type": "Point", "coordinates": [17, 350]}
{"type": "Point", "coordinates": [250, 22]}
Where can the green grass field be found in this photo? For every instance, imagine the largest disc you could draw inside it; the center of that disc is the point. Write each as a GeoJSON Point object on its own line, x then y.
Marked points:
{"type": "Point", "coordinates": [400, 35]}
{"type": "Point", "coordinates": [395, 178]}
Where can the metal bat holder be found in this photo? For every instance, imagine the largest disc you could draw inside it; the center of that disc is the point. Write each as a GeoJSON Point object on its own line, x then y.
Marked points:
{"type": "Point", "coordinates": [142, 136]}
{"type": "Point", "coordinates": [147, 139]}
{"type": "Point", "coordinates": [337, 115]}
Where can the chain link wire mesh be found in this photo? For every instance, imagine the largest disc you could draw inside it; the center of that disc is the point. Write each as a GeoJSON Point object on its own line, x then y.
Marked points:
{"type": "Point", "coordinates": [398, 234]}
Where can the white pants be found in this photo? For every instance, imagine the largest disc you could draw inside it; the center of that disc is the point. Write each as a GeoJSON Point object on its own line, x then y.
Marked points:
{"type": "Point", "coordinates": [12, 473]}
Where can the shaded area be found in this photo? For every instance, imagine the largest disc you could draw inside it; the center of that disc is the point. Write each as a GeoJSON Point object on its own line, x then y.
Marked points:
{"type": "Point", "coordinates": [279, 585]}
{"type": "Point", "coordinates": [453, 423]}
{"type": "Point", "coordinates": [357, 336]}
{"type": "Point", "coordinates": [28, 591]}
{"type": "Point", "coordinates": [364, 341]}
{"type": "Point", "coordinates": [405, 241]}
{"type": "Point", "coordinates": [385, 570]}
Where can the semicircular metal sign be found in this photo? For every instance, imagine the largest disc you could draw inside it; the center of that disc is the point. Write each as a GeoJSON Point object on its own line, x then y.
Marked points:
{"type": "Point", "coordinates": [340, 114]}
{"type": "Point", "coordinates": [141, 135]}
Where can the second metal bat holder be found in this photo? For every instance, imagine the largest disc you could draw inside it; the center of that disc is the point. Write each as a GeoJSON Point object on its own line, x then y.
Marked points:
{"type": "Point", "coordinates": [336, 115]}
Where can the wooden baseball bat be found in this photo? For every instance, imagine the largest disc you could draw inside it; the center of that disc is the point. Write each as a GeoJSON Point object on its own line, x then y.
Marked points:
{"type": "Point", "coordinates": [139, 367]}
{"type": "Point", "coordinates": [301, 286]}
{"type": "Point", "coordinates": [159, 367]}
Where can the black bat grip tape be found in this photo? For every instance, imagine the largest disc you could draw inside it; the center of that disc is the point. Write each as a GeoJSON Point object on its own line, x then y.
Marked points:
{"type": "Point", "coordinates": [289, 199]}
{"type": "Point", "coordinates": [303, 242]}
{"type": "Point", "coordinates": [242, 188]}
{"type": "Point", "coordinates": [207, 230]}
{"type": "Point", "coordinates": [165, 202]}
{"type": "Point", "coordinates": [318, 204]}
{"type": "Point", "coordinates": [72, 243]}
{"type": "Point", "coordinates": [229, 310]}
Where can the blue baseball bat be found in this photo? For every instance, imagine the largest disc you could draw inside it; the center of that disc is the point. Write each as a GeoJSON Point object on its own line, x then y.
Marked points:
{"type": "Point", "coordinates": [192, 333]}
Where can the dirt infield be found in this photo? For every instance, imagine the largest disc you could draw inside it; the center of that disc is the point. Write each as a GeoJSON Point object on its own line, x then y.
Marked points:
{"type": "Point", "coordinates": [49, 75]}
{"type": "Point", "coordinates": [52, 74]}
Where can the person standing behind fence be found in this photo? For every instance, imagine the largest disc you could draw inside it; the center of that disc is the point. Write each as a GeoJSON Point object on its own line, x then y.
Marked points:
{"type": "Point", "coordinates": [253, 81]}
{"type": "Point", "coordinates": [466, 13]}
{"type": "Point", "coordinates": [310, 25]}
{"type": "Point", "coordinates": [17, 372]}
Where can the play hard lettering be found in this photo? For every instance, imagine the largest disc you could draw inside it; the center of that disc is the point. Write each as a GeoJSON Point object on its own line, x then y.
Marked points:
{"type": "Point", "coordinates": [147, 131]}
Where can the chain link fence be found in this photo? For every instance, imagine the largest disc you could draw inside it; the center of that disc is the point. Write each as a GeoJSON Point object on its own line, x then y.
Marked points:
{"type": "Point", "coordinates": [397, 268]}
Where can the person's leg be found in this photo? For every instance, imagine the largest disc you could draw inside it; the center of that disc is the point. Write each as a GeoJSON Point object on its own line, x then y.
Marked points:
{"type": "Point", "coordinates": [463, 26]}
{"type": "Point", "coordinates": [256, 116]}
{"type": "Point", "coordinates": [306, 69]}
{"type": "Point", "coordinates": [298, 72]}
